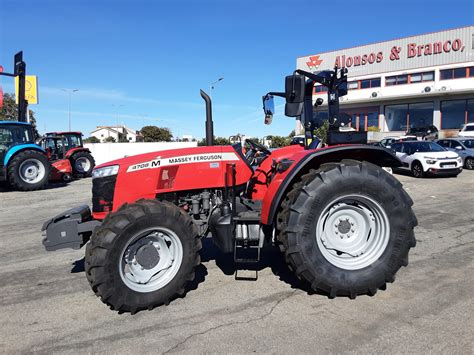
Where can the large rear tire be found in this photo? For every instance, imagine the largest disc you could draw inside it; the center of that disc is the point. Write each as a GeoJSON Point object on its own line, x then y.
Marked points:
{"type": "Point", "coordinates": [29, 170]}
{"type": "Point", "coordinates": [82, 163]}
{"type": "Point", "coordinates": [142, 256]}
{"type": "Point", "coordinates": [347, 228]}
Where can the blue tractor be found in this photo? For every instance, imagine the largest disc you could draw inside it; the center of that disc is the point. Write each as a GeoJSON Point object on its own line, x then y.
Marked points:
{"type": "Point", "coordinates": [23, 164]}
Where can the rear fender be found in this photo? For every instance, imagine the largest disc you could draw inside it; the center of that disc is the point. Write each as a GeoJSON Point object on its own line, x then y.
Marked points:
{"type": "Point", "coordinates": [280, 186]}
{"type": "Point", "coordinates": [73, 151]}
{"type": "Point", "coordinates": [19, 148]}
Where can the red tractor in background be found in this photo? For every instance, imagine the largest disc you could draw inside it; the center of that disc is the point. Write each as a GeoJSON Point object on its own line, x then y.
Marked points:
{"type": "Point", "coordinates": [55, 148]}
{"type": "Point", "coordinates": [344, 225]}
{"type": "Point", "coordinates": [81, 159]}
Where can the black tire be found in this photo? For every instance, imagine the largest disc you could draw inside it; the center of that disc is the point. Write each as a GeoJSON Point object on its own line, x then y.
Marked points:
{"type": "Point", "coordinates": [14, 173]}
{"type": "Point", "coordinates": [104, 253]}
{"type": "Point", "coordinates": [469, 163]}
{"type": "Point", "coordinates": [82, 155]}
{"type": "Point", "coordinates": [417, 169]}
{"type": "Point", "coordinates": [305, 203]}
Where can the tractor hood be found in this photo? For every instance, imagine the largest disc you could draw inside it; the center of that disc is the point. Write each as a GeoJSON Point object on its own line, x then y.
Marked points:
{"type": "Point", "coordinates": [141, 159]}
{"type": "Point", "coordinates": [151, 174]}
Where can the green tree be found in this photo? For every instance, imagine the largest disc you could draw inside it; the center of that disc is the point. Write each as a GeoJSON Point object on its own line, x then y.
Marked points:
{"type": "Point", "coordinates": [322, 132]}
{"type": "Point", "coordinates": [110, 139]}
{"type": "Point", "coordinates": [92, 139]}
{"type": "Point", "coordinates": [217, 141]}
{"type": "Point", "coordinates": [156, 134]}
{"type": "Point", "coordinates": [9, 111]}
{"type": "Point", "coordinates": [278, 141]}
{"type": "Point", "coordinates": [292, 134]}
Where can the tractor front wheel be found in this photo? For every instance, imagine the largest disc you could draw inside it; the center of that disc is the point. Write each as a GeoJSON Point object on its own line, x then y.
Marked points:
{"type": "Point", "coordinates": [347, 228]}
{"type": "Point", "coordinates": [29, 170]}
{"type": "Point", "coordinates": [142, 256]}
{"type": "Point", "coordinates": [82, 164]}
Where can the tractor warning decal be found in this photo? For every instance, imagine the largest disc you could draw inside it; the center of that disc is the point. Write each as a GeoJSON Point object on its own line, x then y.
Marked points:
{"type": "Point", "coordinates": [183, 159]}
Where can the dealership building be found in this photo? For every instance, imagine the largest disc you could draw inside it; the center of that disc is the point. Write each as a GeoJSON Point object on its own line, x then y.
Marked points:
{"type": "Point", "coordinates": [408, 82]}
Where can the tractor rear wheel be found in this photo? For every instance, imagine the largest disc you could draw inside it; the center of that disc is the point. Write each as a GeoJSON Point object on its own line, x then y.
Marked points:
{"type": "Point", "coordinates": [28, 170]}
{"type": "Point", "coordinates": [347, 228]}
{"type": "Point", "coordinates": [82, 163]}
{"type": "Point", "coordinates": [142, 256]}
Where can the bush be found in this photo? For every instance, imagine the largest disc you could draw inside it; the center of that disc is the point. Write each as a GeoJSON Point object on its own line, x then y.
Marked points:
{"type": "Point", "coordinates": [92, 139]}
{"type": "Point", "coordinates": [110, 139]}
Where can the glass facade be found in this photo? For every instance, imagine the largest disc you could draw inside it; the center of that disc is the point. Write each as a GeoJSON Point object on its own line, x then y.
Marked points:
{"type": "Point", "coordinates": [402, 117]}
{"type": "Point", "coordinates": [396, 117]}
{"type": "Point", "coordinates": [455, 113]}
{"type": "Point", "coordinates": [363, 117]}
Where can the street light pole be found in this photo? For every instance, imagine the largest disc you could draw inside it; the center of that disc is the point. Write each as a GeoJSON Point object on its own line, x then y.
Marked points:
{"type": "Point", "coordinates": [70, 91]}
{"type": "Point", "coordinates": [211, 86]}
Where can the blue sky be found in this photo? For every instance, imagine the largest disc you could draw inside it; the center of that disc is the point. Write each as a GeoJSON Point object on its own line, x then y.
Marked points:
{"type": "Point", "coordinates": [152, 57]}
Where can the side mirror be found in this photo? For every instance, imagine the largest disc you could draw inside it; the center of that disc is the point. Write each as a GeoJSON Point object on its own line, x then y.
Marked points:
{"type": "Point", "coordinates": [268, 108]}
{"type": "Point", "coordinates": [294, 94]}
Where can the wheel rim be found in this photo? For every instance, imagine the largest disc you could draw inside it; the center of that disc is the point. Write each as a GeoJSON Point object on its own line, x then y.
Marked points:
{"type": "Point", "coordinates": [32, 171]}
{"type": "Point", "coordinates": [469, 163]}
{"type": "Point", "coordinates": [353, 232]}
{"type": "Point", "coordinates": [82, 164]}
{"type": "Point", "coordinates": [417, 170]}
{"type": "Point", "coordinates": [151, 259]}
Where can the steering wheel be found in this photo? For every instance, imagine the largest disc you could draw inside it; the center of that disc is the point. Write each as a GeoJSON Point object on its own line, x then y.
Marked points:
{"type": "Point", "coordinates": [256, 152]}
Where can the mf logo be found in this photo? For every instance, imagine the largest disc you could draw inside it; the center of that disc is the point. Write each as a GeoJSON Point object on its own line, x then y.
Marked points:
{"type": "Point", "coordinates": [314, 62]}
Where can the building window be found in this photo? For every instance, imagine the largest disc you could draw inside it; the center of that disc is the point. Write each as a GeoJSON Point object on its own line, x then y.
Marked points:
{"type": "Point", "coordinates": [320, 88]}
{"type": "Point", "coordinates": [363, 118]}
{"type": "Point", "coordinates": [470, 111]}
{"type": "Point", "coordinates": [401, 117]}
{"type": "Point", "coordinates": [364, 84]}
{"type": "Point", "coordinates": [396, 80]}
{"type": "Point", "coordinates": [455, 113]}
{"type": "Point", "coordinates": [456, 73]}
{"type": "Point", "coordinates": [396, 117]}
{"type": "Point", "coordinates": [422, 77]}
{"type": "Point", "coordinates": [420, 115]}
{"type": "Point", "coordinates": [351, 85]}
{"type": "Point", "coordinates": [409, 78]}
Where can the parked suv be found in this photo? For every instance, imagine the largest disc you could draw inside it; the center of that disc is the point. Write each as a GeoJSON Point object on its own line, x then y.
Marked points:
{"type": "Point", "coordinates": [464, 147]}
{"type": "Point", "coordinates": [426, 133]}
{"type": "Point", "coordinates": [427, 158]}
{"type": "Point", "coordinates": [467, 131]}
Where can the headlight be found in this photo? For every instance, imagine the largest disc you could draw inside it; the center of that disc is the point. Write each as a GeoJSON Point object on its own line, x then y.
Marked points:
{"type": "Point", "coordinates": [105, 171]}
{"type": "Point", "coordinates": [430, 161]}
{"type": "Point", "coordinates": [459, 160]}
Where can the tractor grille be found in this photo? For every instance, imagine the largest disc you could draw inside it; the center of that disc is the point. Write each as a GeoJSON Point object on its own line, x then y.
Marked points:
{"type": "Point", "coordinates": [103, 193]}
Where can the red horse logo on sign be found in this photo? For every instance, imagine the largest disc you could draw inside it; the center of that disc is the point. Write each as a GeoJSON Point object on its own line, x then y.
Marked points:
{"type": "Point", "coordinates": [314, 62]}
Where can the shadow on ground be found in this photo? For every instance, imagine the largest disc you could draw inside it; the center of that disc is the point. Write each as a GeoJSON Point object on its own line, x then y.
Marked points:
{"type": "Point", "coordinates": [271, 257]}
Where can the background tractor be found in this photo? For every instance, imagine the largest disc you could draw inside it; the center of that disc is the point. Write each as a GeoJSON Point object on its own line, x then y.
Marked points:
{"type": "Point", "coordinates": [344, 225]}
{"type": "Point", "coordinates": [23, 164]}
{"type": "Point", "coordinates": [80, 157]}
{"type": "Point", "coordinates": [55, 147]}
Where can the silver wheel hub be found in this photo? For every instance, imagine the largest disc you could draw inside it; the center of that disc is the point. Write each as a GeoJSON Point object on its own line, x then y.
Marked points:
{"type": "Point", "coordinates": [82, 164]}
{"type": "Point", "coordinates": [31, 171]}
{"type": "Point", "coordinates": [352, 232]}
{"type": "Point", "coordinates": [151, 260]}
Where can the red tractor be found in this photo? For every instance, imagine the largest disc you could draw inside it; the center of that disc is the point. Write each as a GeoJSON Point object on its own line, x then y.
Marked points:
{"type": "Point", "coordinates": [344, 225]}
{"type": "Point", "coordinates": [81, 158]}
{"type": "Point", "coordinates": [55, 148]}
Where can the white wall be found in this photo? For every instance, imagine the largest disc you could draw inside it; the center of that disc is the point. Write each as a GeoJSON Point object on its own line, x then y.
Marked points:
{"type": "Point", "coordinates": [104, 152]}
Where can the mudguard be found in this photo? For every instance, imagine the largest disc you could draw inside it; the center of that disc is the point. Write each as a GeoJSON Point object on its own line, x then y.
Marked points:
{"type": "Point", "coordinates": [312, 160]}
{"type": "Point", "coordinates": [17, 148]}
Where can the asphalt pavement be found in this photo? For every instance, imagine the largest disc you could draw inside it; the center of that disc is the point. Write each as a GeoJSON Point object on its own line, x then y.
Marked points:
{"type": "Point", "coordinates": [48, 307]}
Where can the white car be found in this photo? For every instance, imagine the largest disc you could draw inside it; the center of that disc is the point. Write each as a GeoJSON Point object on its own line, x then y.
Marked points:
{"type": "Point", "coordinates": [467, 131]}
{"type": "Point", "coordinates": [427, 158]}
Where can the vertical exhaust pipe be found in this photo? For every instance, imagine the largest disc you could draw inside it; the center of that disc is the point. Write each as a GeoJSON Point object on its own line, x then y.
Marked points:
{"type": "Point", "coordinates": [209, 123]}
